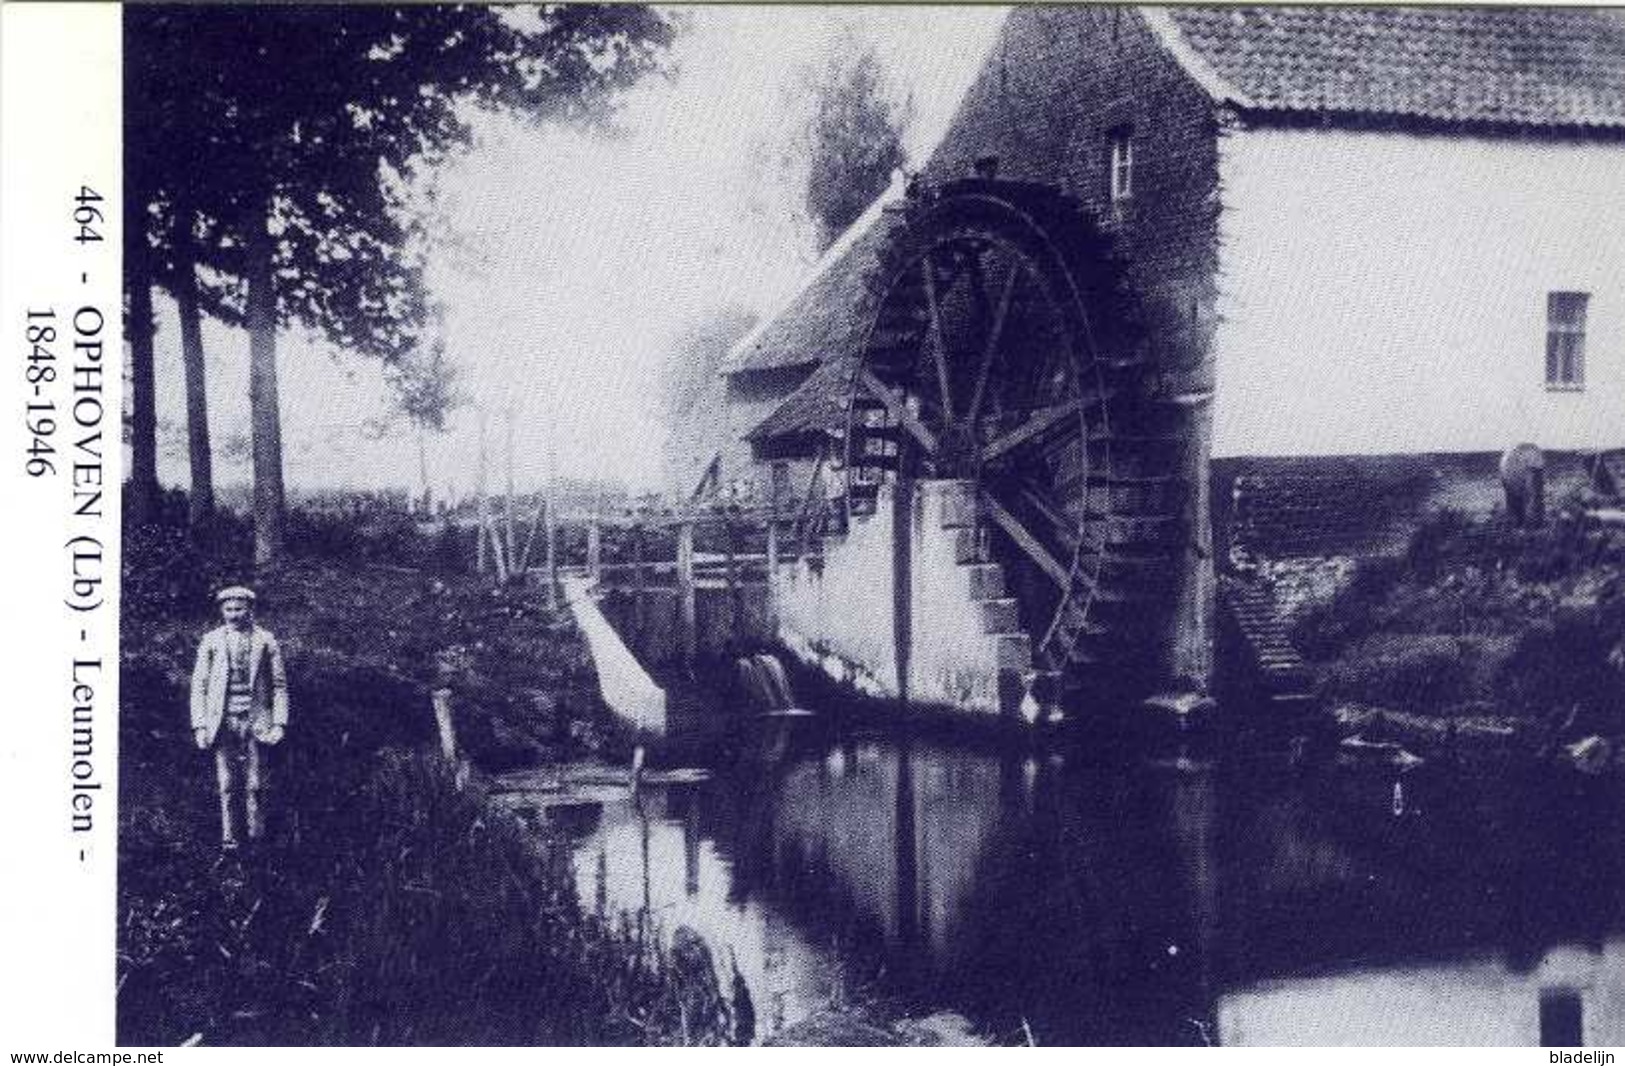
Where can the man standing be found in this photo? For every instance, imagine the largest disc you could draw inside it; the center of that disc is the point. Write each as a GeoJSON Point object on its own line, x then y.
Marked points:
{"type": "Point", "coordinates": [239, 701]}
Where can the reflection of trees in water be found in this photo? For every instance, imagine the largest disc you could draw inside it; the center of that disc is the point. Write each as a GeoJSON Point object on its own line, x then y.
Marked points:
{"type": "Point", "coordinates": [998, 884]}
{"type": "Point", "coordinates": [1566, 879]}
{"type": "Point", "coordinates": [1084, 917]}
{"type": "Point", "coordinates": [794, 871]}
{"type": "Point", "coordinates": [1514, 862]}
{"type": "Point", "coordinates": [1114, 903]}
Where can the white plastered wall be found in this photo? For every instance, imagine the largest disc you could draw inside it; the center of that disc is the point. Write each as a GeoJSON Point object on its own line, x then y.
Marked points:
{"type": "Point", "coordinates": [1385, 292]}
{"type": "Point", "coordinates": [1473, 1002]}
{"type": "Point", "coordinates": [839, 618]}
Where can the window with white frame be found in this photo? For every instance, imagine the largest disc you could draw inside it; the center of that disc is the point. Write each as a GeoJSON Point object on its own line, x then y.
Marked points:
{"type": "Point", "coordinates": [1566, 339]}
{"type": "Point", "coordinates": [1122, 164]}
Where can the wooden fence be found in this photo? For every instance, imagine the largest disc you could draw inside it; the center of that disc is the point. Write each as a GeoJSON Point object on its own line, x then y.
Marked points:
{"type": "Point", "coordinates": [726, 552]}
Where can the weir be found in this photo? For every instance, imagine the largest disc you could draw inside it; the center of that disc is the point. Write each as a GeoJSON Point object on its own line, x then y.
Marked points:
{"type": "Point", "coordinates": [765, 684]}
{"type": "Point", "coordinates": [947, 617]}
{"type": "Point", "coordinates": [627, 688]}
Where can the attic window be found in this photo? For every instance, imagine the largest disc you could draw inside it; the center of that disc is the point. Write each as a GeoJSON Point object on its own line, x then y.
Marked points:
{"type": "Point", "coordinates": [1566, 339]}
{"type": "Point", "coordinates": [1122, 164]}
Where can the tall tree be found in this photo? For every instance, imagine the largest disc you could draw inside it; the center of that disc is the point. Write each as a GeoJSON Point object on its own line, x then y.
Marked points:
{"type": "Point", "coordinates": [141, 328]}
{"type": "Point", "coordinates": [425, 384]}
{"type": "Point", "coordinates": [313, 119]}
{"type": "Point", "coordinates": [853, 135]}
{"type": "Point", "coordinates": [184, 287]}
{"type": "Point", "coordinates": [688, 393]}
{"type": "Point", "coordinates": [164, 140]}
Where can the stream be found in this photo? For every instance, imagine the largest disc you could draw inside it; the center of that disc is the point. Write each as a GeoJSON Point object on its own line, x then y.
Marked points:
{"type": "Point", "coordinates": [1129, 900]}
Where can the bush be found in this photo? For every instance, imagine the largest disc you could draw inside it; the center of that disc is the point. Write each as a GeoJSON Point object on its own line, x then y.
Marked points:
{"type": "Point", "coordinates": [168, 574]}
{"type": "Point", "coordinates": [1565, 664]}
{"type": "Point", "coordinates": [1443, 539]}
{"type": "Point", "coordinates": [385, 536]}
{"type": "Point", "coordinates": [1353, 614]}
{"type": "Point", "coordinates": [417, 918]}
{"type": "Point", "coordinates": [1407, 671]}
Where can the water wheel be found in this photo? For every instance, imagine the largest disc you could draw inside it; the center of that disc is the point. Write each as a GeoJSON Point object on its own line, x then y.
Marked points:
{"type": "Point", "coordinates": [1002, 352]}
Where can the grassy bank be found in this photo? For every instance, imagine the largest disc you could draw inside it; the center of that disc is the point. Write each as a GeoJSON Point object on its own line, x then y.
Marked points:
{"type": "Point", "coordinates": [1483, 622]}
{"type": "Point", "coordinates": [387, 907]}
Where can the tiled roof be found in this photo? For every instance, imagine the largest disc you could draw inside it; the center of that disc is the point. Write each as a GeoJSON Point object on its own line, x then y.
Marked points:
{"type": "Point", "coordinates": [818, 406]}
{"type": "Point", "coordinates": [1523, 66]}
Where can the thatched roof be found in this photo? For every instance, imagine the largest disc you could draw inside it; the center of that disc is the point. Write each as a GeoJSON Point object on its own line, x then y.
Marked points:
{"type": "Point", "coordinates": [820, 318]}
{"type": "Point", "coordinates": [817, 407]}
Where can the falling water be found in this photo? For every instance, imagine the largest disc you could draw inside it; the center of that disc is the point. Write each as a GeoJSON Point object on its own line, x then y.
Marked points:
{"type": "Point", "coordinates": [765, 684]}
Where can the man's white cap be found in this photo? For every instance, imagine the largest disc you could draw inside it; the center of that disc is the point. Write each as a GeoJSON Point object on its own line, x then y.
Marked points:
{"type": "Point", "coordinates": [235, 592]}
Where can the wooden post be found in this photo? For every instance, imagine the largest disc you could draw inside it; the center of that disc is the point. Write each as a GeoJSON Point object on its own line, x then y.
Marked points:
{"type": "Point", "coordinates": [447, 727]}
{"type": "Point", "coordinates": [1191, 632]}
{"type": "Point", "coordinates": [636, 533]}
{"type": "Point", "coordinates": [815, 496]}
{"type": "Point", "coordinates": [595, 549]}
{"type": "Point", "coordinates": [772, 608]}
{"type": "Point", "coordinates": [550, 503]}
{"type": "Point", "coordinates": [902, 561]}
{"type": "Point", "coordinates": [443, 722]}
{"type": "Point", "coordinates": [523, 562]}
{"type": "Point", "coordinates": [480, 505]}
{"type": "Point", "coordinates": [636, 536]}
{"type": "Point", "coordinates": [509, 540]}
{"type": "Point", "coordinates": [498, 555]}
{"type": "Point", "coordinates": [488, 531]}
{"type": "Point", "coordinates": [736, 614]}
{"type": "Point", "coordinates": [552, 570]}
{"type": "Point", "coordinates": [687, 613]}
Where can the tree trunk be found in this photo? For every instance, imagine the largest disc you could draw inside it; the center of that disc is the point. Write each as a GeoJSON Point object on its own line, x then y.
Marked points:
{"type": "Point", "coordinates": [143, 499]}
{"type": "Point", "coordinates": [270, 541]}
{"type": "Point", "coordinates": [423, 469]}
{"type": "Point", "coordinates": [508, 544]}
{"type": "Point", "coordinates": [483, 503]}
{"type": "Point", "coordinates": [200, 510]}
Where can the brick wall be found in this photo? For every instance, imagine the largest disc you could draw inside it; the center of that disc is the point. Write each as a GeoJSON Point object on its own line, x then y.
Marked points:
{"type": "Point", "coordinates": [1059, 78]}
{"type": "Point", "coordinates": [1358, 506]}
{"type": "Point", "coordinates": [1303, 524]}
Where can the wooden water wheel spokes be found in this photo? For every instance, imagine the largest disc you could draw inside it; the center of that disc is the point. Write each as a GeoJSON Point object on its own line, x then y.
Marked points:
{"type": "Point", "coordinates": [982, 359]}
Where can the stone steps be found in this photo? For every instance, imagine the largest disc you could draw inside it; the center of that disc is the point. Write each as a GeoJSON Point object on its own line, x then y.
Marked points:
{"type": "Point", "coordinates": [1282, 667]}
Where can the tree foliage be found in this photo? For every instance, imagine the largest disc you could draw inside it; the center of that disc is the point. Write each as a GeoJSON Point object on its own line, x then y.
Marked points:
{"type": "Point", "coordinates": [425, 385]}
{"type": "Point", "coordinates": [313, 118]}
{"type": "Point", "coordinates": [695, 357]}
{"type": "Point", "coordinates": [853, 135]}
{"type": "Point", "coordinates": [282, 139]}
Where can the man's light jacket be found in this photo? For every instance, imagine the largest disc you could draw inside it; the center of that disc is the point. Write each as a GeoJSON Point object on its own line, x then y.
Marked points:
{"type": "Point", "coordinates": [267, 680]}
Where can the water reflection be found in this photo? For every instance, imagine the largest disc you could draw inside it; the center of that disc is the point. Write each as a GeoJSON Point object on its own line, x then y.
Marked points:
{"type": "Point", "coordinates": [1146, 902]}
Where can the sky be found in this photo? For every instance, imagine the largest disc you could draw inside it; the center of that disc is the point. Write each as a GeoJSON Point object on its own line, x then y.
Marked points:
{"type": "Point", "coordinates": [578, 258]}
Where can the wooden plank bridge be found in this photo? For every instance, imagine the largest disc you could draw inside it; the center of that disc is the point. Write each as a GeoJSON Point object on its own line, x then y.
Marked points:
{"type": "Point", "coordinates": [680, 584]}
